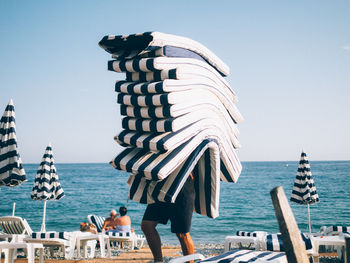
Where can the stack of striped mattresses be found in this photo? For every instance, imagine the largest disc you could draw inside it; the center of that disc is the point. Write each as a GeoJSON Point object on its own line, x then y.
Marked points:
{"type": "Point", "coordinates": [179, 116]}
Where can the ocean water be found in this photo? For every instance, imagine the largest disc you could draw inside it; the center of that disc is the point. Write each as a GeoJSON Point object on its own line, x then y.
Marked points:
{"type": "Point", "coordinates": [246, 205]}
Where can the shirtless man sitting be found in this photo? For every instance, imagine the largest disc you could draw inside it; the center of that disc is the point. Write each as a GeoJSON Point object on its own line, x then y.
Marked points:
{"type": "Point", "coordinates": [111, 222]}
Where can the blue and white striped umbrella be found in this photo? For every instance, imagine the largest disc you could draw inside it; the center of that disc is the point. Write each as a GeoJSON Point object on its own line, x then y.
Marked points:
{"type": "Point", "coordinates": [46, 184]}
{"type": "Point", "coordinates": [304, 189]}
{"type": "Point", "coordinates": [11, 169]}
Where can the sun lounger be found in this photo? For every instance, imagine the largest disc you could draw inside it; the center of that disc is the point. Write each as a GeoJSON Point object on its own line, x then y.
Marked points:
{"type": "Point", "coordinates": [87, 239]}
{"type": "Point", "coordinates": [14, 225]}
{"type": "Point", "coordinates": [332, 230]}
{"type": "Point", "coordinates": [10, 248]}
{"type": "Point", "coordinates": [128, 237]}
{"type": "Point", "coordinates": [262, 241]}
{"type": "Point", "coordinates": [98, 221]}
{"type": "Point", "coordinates": [238, 256]}
{"type": "Point", "coordinates": [64, 240]}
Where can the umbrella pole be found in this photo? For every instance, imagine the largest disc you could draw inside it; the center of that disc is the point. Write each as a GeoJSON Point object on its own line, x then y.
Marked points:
{"type": "Point", "coordinates": [309, 217]}
{"type": "Point", "coordinates": [13, 209]}
{"type": "Point", "coordinates": [44, 215]}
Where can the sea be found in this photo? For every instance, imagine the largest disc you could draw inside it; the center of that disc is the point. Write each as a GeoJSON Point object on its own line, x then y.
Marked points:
{"type": "Point", "coordinates": [96, 188]}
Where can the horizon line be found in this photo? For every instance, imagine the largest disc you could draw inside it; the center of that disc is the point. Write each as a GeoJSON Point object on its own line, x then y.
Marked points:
{"type": "Point", "coordinates": [241, 162]}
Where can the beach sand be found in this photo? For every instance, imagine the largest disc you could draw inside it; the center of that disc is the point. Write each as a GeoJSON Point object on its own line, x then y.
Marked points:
{"type": "Point", "coordinates": [144, 255]}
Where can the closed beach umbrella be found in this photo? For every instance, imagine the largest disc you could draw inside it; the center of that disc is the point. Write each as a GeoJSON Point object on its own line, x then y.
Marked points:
{"type": "Point", "coordinates": [11, 170]}
{"type": "Point", "coordinates": [46, 184]}
{"type": "Point", "coordinates": [304, 189]}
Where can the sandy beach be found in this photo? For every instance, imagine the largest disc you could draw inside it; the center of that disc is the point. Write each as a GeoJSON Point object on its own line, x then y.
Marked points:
{"type": "Point", "coordinates": [144, 255]}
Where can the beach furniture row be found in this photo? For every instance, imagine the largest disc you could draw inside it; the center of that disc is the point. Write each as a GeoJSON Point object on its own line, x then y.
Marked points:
{"type": "Point", "coordinates": [288, 246]}
{"type": "Point", "coordinates": [18, 234]}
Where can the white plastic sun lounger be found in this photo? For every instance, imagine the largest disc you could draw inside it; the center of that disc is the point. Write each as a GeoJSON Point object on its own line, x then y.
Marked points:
{"type": "Point", "coordinates": [14, 225]}
{"type": "Point", "coordinates": [10, 248]}
{"type": "Point", "coordinates": [128, 237]}
{"type": "Point", "coordinates": [64, 240]}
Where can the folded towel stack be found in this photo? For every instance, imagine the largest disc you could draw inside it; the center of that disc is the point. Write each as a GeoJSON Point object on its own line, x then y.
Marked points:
{"type": "Point", "coordinates": [179, 117]}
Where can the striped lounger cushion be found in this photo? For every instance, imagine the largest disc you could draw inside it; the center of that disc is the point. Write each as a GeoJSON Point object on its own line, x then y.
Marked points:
{"type": "Point", "coordinates": [157, 166]}
{"type": "Point", "coordinates": [274, 242]}
{"type": "Point", "coordinates": [98, 221]}
{"type": "Point", "coordinates": [335, 230]}
{"type": "Point", "coordinates": [178, 123]}
{"type": "Point", "coordinates": [204, 162]}
{"type": "Point", "coordinates": [159, 66]}
{"type": "Point", "coordinates": [51, 235]}
{"type": "Point", "coordinates": [163, 142]}
{"type": "Point", "coordinates": [180, 73]}
{"type": "Point", "coordinates": [172, 85]}
{"type": "Point", "coordinates": [177, 103]}
{"type": "Point", "coordinates": [130, 46]}
{"type": "Point", "coordinates": [119, 234]}
{"type": "Point", "coordinates": [245, 256]}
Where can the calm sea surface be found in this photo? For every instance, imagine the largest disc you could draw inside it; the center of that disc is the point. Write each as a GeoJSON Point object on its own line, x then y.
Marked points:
{"type": "Point", "coordinates": [98, 188]}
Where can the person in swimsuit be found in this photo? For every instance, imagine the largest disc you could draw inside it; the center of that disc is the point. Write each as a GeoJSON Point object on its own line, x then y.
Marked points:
{"type": "Point", "coordinates": [110, 223]}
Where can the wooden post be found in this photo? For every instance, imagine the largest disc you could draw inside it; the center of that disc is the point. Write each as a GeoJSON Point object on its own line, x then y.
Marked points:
{"type": "Point", "coordinates": [292, 242]}
{"type": "Point", "coordinates": [347, 250]}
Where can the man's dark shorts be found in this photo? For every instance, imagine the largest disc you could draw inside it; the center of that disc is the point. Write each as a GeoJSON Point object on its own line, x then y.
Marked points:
{"type": "Point", "coordinates": [179, 213]}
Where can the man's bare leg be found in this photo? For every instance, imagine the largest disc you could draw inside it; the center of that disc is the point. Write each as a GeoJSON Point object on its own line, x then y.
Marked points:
{"type": "Point", "coordinates": [186, 242]}
{"type": "Point", "coordinates": [153, 239]}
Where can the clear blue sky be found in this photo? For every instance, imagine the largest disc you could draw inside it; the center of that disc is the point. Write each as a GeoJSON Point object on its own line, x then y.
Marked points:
{"type": "Point", "coordinates": [289, 60]}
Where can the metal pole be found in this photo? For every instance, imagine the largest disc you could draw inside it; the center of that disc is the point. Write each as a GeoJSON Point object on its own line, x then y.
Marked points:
{"type": "Point", "coordinates": [13, 209]}
{"type": "Point", "coordinates": [309, 217]}
{"type": "Point", "coordinates": [44, 215]}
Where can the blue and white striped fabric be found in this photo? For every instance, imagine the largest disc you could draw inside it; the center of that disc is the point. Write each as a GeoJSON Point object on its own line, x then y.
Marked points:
{"type": "Point", "coordinates": [274, 242]}
{"type": "Point", "coordinates": [11, 170]}
{"type": "Point", "coordinates": [335, 230]}
{"type": "Point", "coordinates": [304, 189]}
{"type": "Point", "coordinates": [173, 85]}
{"type": "Point", "coordinates": [157, 166]}
{"type": "Point", "coordinates": [181, 73]}
{"type": "Point", "coordinates": [246, 234]}
{"type": "Point", "coordinates": [180, 118]}
{"type": "Point", "coordinates": [98, 221]}
{"type": "Point", "coordinates": [245, 256]}
{"type": "Point", "coordinates": [163, 142]}
{"type": "Point", "coordinates": [51, 235]}
{"type": "Point", "coordinates": [157, 69]}
{"type": "Point", "coordinates": [177, 103]}
{"type": "Point", "coordinates": [204, 162]}
{"type": "Point", "coordinates": [131, 46]}
{"type": "Point", "coordinates": [119, 234]}
{"type": "Point", "coordinates": [46, 183]}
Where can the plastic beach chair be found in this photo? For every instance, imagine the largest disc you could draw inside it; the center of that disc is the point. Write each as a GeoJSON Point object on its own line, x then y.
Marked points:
{"type": "Point", "coordinates": [10, 248]}
{"type": "Point", "coordinates": [263, 241]}
{"type": "Point", "coordinates": [332, 230]}
{"type": "Point", "coordinates": [98, 221]}
{"type": "Point", "coordinates": [129, 237]}
{"type": "Point", "coordinates": [64, 240]}
{"type": "Point", "coordinates": [14, 225]}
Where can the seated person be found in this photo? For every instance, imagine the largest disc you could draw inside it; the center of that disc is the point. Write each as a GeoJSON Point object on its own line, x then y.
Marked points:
{"type": "Point", "coordinates": [123, 222]}
{"type": "Point", "coordinates": [110, 222]}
